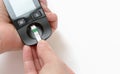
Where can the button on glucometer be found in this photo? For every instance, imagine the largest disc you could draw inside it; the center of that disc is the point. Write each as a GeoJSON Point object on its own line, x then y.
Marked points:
{"type": "Point", "coordinates": [37, 14]}
{"type": "Point", "coordinates": [21, 22]}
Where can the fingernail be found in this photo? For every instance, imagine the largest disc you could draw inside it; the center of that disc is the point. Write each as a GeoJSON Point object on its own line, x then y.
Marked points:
{"type": "Point", "coordinates": [41, 43]}
{"type": "Point", "coordinates": [26, 47]}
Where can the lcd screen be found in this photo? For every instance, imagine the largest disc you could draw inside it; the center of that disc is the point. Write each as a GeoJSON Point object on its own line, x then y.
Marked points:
{"type": "Point", "coordinates": [21, 7]}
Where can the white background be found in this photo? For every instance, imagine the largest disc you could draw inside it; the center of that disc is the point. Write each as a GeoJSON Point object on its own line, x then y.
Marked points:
{"type": "Point", "coordinates": [87, 38]}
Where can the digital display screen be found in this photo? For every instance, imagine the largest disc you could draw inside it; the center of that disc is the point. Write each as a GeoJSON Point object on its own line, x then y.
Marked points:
{"type": "Point", "coordinates": [21, 7]}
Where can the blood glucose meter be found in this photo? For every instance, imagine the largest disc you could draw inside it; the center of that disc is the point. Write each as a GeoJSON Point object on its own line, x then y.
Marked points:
{"type": "Point", "coordinates": [27, 13]}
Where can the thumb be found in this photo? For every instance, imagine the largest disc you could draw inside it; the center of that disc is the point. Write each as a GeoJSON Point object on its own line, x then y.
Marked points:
{"type": "Point", "coordinates": [45, 52]}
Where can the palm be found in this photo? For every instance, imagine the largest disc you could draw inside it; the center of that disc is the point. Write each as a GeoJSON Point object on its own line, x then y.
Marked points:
{"type": "Point", "coordinates": [9, 37]}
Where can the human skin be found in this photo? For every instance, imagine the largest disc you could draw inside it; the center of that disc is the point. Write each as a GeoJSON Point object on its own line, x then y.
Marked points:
{"type": "Point", "coordinates": [37, 60]}
{"type": "Point", "coordinates": [9, 38]}
{"type": "Point", "coordinates": [43, 60]}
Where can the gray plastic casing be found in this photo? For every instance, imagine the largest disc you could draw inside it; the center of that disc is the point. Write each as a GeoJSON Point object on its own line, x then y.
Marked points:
{"type": "Point", "coordinates": [24, 32]}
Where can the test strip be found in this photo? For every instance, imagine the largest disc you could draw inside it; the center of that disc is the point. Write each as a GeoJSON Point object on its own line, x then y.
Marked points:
{"type": "Point", "coordinates": [36, 33]}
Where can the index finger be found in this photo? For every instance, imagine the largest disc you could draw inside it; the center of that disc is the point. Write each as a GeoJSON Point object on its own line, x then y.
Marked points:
{"type": "Point", "coordinates": [29, 65]}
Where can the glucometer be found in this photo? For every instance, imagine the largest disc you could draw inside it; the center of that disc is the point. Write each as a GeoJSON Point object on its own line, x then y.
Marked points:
{"type": "Point", "coordinates": [29, 19]}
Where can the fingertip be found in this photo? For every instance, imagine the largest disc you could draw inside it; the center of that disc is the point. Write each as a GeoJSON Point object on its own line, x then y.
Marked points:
{"type": "Point", "coordinates": [26, 52]}
{"type": "Point", "coordinates": [26, 47]}
{"type": "Point", "coordinates": [44, 51]}
{"type": "Point", "coordinates": [41, 43]}
{"type": "Point", "coordinates": [52, 17]}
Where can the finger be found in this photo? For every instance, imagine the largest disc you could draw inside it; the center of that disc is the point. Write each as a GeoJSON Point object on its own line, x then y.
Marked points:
{"type": "Point", "coordinates": [51, 17]}
{"type": "Point", "coordinates": [28, 61]}
{"type": "Point", "coordinates": [45, 52]}
{"type": "Point", "coordinates": [53, 20]}
{"type": "Point", "coordinates": [3, 13]}
{"type": "Point", "coordinates": [44, 2]}
{"type": "Point", "coordinates": [45, 8]}
{"type": "Point", "coordinates": [36, 60]}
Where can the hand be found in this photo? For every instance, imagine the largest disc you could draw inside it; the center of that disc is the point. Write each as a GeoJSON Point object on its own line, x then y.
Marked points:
{"type": "Point", "coordinates": [42, 60]}
{"type": "Point", "coordinates": [9, 38]}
